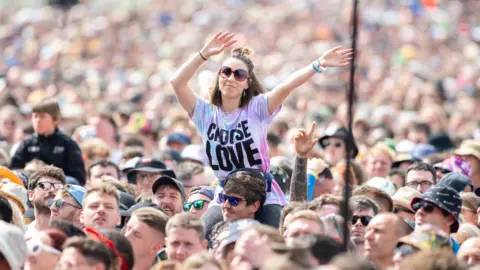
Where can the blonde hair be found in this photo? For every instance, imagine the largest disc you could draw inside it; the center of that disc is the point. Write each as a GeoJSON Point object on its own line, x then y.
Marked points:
{"type": "Point", "coordinates": [382, 148]}
{"type": "Point", "coordinates": [308, 215]}
{"type": "Point", "coordinates": [95, 149]}
{"type": "Point", "coordinates": [103, 189]}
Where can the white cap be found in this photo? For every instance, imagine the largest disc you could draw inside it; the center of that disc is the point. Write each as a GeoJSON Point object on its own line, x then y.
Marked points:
{"type": "Point", "coordinates": [195, 152]}
{"type": "Point", "coordinates": [405, 146]}
{"type": "Point", "coordinates": [383, 184]}
{"type": "Point", "coordinates": [16, 192]}
{"type": "Point", "coordinates": [12, 245]}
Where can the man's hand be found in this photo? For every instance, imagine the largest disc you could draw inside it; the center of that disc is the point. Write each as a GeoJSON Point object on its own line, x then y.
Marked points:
{"type": "Point", "coordinates": [304, 142]}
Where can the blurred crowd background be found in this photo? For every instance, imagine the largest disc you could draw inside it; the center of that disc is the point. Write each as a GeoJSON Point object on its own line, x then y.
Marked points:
{"type": "Point", "coordinates": [418, 60]}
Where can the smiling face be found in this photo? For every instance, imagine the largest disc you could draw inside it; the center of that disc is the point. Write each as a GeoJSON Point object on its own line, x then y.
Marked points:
{"type": "Point", "coordinates": [230, 87]}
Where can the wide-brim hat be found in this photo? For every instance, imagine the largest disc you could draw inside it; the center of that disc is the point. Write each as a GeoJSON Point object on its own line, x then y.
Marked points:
{"type": "Point", "coordinates": [341, 133]}
{"type": "Point", "coordinates": [404, 196]}
{"type": "Point", "coordinates": [469, 148]}
{"type": "Point", "coordinates": [446, 198]}
{"type": "Point", "coordinates": [151, 165]}
{"type": "Point", "coordinates": [428, 239]}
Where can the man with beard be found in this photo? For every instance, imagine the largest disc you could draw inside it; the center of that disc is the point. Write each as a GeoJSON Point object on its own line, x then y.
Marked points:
{"type": "Point", "coordinates": [67, 204]}
{"type": "Point", "coordinates": [100, 207]}
{"type": "Point", "coordinates": [42, 187]}
{"type": "Point", "coordinates": [168, 193]}
{"type": "Point", "coordinates": [364, 209]}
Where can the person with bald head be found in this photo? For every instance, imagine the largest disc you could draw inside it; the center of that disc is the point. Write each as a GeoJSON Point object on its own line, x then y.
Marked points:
{"type": "Point", "coordinates": [470, 251]}
{"type": "Point", "coordinates": [381, 238]}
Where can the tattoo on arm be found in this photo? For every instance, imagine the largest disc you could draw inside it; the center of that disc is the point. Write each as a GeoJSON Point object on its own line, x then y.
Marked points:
{"type": "Point", "coordinates": [298, 184]}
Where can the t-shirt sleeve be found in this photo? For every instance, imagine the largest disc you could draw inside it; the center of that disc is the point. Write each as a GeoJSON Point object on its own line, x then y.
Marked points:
{"type": "Point", "coordinates": [259, 105]}
{"type": "Point", "coordinates": [201, 112]}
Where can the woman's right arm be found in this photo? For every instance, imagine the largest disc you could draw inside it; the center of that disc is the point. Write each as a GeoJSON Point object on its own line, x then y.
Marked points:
{"type": "Point", "coordinates": [185, 95]}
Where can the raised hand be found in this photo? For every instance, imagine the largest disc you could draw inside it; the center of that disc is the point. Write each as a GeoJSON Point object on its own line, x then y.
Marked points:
{"type": "Point", "coordinates": [336, 57]}
{"type": "Point", "coordinates": [218, 43]}
{"type": "Point", "coordinates": [304, 142]}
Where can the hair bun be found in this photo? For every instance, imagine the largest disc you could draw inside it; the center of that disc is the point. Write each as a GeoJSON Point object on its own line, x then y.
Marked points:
{"type": "Point", "coordinates": [243, 50]}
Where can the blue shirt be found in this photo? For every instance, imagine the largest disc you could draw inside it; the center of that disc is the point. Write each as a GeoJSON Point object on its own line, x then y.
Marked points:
{"type": "Point", "coordinates": [455, 246]}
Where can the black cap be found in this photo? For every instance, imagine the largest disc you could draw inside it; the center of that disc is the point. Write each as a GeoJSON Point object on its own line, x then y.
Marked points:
{"type": "Point", "coordinates": [126, 200]}
{"type": "Point", "coordinates": [149, 164]}
{"type": "Point", "coordinates": [341, 133]}
{"type": "Point", "coordinates": [457, 181]}
{"type": "Point", "coordinates": [128, 213]}
{"type": "Point", "coordinates": [441, 142]}
{"type": "Point", "coordinates": [169, 181]}
{"type": "Point", "coordinates": [446, 198]}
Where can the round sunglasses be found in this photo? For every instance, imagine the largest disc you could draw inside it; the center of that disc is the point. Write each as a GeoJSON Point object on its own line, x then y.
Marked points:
{"type": "Point", "coordinates": [59, 203]}
{"type": "Point", "coordinates": [232, 200]}
{"type": "Point", "coordinates": [198, 204]}
{"type": "Point", "coordinates": [365, 220]}
{"type": "Point", "coordinates": [239, 74]}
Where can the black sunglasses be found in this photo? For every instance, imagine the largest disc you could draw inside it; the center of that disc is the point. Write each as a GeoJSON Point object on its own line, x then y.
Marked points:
{"type": "Point", "coordinates": [59, 203]}
{"type": "Point", "coordinates": [198, 204]}
{"type": "Point", "coordinates": [336, 144]}
{"type": "Point", "coordinates": [442, 170]}
{"type": "Point", "coordinates": [239, 74]}
{"type": "Point", "coordinates": [232, 200]}
{"type": "Point", "coordinates": [427, 206]}
{"type": "Point", "coordinates": [398, 209]}
{"type": "Point", "coordinates": [365, 220]}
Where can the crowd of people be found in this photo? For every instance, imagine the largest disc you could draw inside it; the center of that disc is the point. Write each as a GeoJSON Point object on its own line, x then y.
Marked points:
{"type": "Point", "coordinates": [212, 135]}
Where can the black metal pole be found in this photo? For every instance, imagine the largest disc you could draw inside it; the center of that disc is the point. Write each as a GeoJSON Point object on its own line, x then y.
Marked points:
{"type": "Point", "coordinates": [350, 98]}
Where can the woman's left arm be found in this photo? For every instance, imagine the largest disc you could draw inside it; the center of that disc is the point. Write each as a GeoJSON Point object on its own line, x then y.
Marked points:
{"type": "Point", "coordinates": [332, 58]}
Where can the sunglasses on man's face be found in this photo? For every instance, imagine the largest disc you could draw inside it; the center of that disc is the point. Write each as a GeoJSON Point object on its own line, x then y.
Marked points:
{"type": "Point", "coordinates": [397, 210]}
{"type": "Point", "coordinates": [198, 204]}
{"type": "Point", "coordinates": [336, 144]}
{"type": "Point", "coordinates": [365, 220]}
{"type": "Point", "coordinates": [427, 207]}
{"type": "Point", "coordinates": [47, 186]}
{"type": "Point", "coordinates": [232, 200]}
{"type": "Point", "coordinates": [59, 203]}
{"type": "Point", "coordinates": [239, 74]}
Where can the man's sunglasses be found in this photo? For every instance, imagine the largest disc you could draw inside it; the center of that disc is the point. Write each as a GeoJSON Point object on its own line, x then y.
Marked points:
{"type": "Point", "coordinates": [336, 144]}
{"type": "Point", "coordinates": [198, 204]}
{"type": "Point", "coordinates": [47, 186]}
{"type": "Point", "coordinates": [232, 200]}
{"type": "Point", "coordinates": [427, 206]}
{"type": "Point", "coordinates": [59, 203]}
{"type": "Point", "coordinates": [365, 220]}
{"type": "Point", "coordinates": [239, 74]}
{"type": "Point", "coordinates": [398, 209]}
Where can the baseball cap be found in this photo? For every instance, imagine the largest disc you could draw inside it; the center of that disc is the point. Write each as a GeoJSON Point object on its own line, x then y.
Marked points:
{"type": "Point", "coordinates": [178, 137]}
{"type": "Point", "coordinates": [456, 181]}
{"type": "Point", "coordinates": [195, 152]}
{"type": "Point", "coordinates": [12, 245]}
{"type": "Point", "coordinates": [77, 192]}
{"type": "Point", "coordinates": [171, 181]}
{"type": "Point", "coordinates": [204, 190]}
{"type": "Point", "coordinates": [422, 151]}
{"type": "Point", "coordinates": [126, 200]}
{"type": "Point", "coordinates": [149, 164]}
{"type": "Point", "coordinates": [128, 213]}
{"type": "Point", "coordinates": [235, 230]}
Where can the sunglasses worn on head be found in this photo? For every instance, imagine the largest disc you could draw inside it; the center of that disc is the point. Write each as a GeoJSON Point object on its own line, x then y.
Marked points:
{"type": "Point", "coordinates": [198, 204]}
{"type": "Point", "coordinates": [365, 220]}
{"type": "Point", "coordinates": [59, 203]}
{"type": "Point", "coordinates": [232, 200]}
{"type": "Point", "coordinates": [35, 247]}
{"type": "Point", "coordinates": [47, 186]}
{"type": "Point", "coordinates": [239, 74]}
{"type": "Point", "coordinates": [336, 144]}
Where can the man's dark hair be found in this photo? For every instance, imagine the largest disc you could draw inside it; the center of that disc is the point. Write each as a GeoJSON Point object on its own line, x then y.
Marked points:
{"type": "Point", "coordinates": [132, 141]}
{"type": "Point", "coordinates": [399, 172]}
{"type": "Point", "coordinates": [252, 188]}
{"type": "Point", "coordinates": [363, 203]}
{"type": "Point", "coordinates": [422, 166]}
{"type": "Point", "coordinates": [186, 170]}
{"type": "Point", "coordinates": [93, 251]}
{"type": "Point", "coordinates": [422, 127]}
{"type": "Point", "coordinates": [325, 248]}
{"type": "Point", "coordinates": [70, 229]}
{"type": "Point", "coordinates": [103, 163]}
{"type": "Point", "coordinates": [6, 212]}
{"type": "Point", "coordinates": [48, 105]}
{"type": "Point", "coordinates": [122, 245]}
{"type": "Point", "coordinates": [47, 171]}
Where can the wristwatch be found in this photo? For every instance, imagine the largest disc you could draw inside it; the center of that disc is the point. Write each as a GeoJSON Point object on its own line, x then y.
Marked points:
{"type": "Point", "coordinates": [317, 67]}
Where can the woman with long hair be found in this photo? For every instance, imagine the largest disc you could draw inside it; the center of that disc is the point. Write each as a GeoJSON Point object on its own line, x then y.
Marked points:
{"type": "Point", "coordinates": [233, 124]}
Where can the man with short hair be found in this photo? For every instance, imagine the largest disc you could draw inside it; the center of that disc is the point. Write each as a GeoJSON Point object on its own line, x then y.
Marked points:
{"type": "Point", "coordinates": [185, 237]}
{"type": "Point", "coordinates": [381, 238]}
{"type": "Point", "coordinates": [243, 197]}
{"type": "Point", "coordinates": [326, 204]}
{"type": "Point", "coordinates": [364, 209]}
{"type": "Point", "coordinates": [146, 232]}
{"type": "Point", "coordinates": [420, 176]}
{"type": "Point", "coordinates": [168, 193]}
{"type": "Point", "coordinates": [304, 222]}
{"type": "Point", "coordinates": [198, 200]}
{"type": "Point", "coordinates": [83, 253]}
{"type": "Point", "coordinates": [101, 168]}
{"type": "Point", "coordinates": [191, 175]}
{"type": "Point", "coordinates": [67, 204]}
{"type": "Point", "coordinates": [100, 207]}
{"type": "Point", "coordinates": [470, 251]}
{"type": "Point", "coordinates": [146, 171]}
{"type": "Point", "coordinates": [41, 188]}
{"type": "Point", "coordinates": [440, 206]}
{"type": "Point", "coordinates": [382, 198]}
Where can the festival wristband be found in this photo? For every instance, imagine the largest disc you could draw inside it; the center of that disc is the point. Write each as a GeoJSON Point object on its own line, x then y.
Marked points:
{"type": "Point", "coordinates": [200, 53]}
{"type": "Point", "coordinates": [317, 67]}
